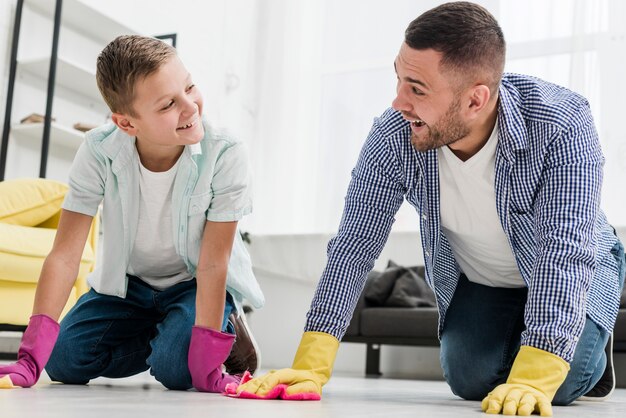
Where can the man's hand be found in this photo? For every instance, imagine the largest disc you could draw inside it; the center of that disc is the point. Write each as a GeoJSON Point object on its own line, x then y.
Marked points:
{"type": "Point", "coordinates": [535, 377]}
{"type": "Point", "coordinates": [311, 369]}
{"type": "Point", "coordinates": [33, 354]}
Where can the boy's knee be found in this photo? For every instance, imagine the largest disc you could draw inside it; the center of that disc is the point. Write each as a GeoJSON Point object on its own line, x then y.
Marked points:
{"type": "Point", "coordinates": [62, 366]}
{"type": "Point", "coordinates": [171, 373]}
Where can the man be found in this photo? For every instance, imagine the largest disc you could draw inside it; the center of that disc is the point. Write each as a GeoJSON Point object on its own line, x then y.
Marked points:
{"type": "Point", "coordinates": [505, 171]}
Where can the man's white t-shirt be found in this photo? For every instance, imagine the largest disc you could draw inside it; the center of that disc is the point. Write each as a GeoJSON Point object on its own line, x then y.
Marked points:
{"type": "Point", "coordinates": [469, 218]}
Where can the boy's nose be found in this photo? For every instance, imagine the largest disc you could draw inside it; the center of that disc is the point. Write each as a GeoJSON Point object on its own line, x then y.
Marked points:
{"type": "Point", "coordinates": [190, 107]}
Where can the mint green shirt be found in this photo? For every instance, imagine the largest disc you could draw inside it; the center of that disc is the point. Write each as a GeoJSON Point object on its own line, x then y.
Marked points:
{"type": "Point", "coordinates": [212, 183]}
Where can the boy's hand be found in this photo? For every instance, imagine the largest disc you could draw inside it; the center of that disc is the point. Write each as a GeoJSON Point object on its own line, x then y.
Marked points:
{"type": "Point", "coordinates": [208, 350]}
{"type": "Point", "coordinates": [33, 354]}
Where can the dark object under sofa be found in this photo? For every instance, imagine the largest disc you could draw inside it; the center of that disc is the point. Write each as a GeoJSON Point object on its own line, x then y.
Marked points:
{"type": "Point", "coordinates": [397, 308]}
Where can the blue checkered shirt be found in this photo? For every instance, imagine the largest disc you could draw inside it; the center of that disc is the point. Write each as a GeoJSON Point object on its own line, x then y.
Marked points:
{"type": "Point", "coordinates": [548, 178]}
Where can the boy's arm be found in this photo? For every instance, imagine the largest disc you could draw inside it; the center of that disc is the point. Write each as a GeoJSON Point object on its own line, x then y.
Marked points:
{"type": "Point", "coordinates": [217, 244]}
{"type": "Point", "coordinates": [209, 347]}
{"type": "Point", "coordinates": [60, 268]}
{"type": "Point", "coordinates": [57, 277]}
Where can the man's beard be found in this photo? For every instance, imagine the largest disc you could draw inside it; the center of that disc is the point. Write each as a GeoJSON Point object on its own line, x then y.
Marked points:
{"type": "Point", "coordinates": [447, 130]}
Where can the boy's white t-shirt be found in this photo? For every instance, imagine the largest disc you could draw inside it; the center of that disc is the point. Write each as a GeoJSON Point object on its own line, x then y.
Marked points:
{"type": "Point", "coordinates": [154, 259]}
{"type": "Point", "coordinates": [469, 218]}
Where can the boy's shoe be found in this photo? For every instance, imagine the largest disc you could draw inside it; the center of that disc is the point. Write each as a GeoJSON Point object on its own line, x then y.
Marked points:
{"type": "Point", "coordinates": [606, 385]}
{"type": "Point", "coordinates": [245, 354]}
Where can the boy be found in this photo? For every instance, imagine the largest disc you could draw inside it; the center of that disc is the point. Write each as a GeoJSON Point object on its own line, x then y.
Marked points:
{"type": "Point", "coordinates": [173, 266]}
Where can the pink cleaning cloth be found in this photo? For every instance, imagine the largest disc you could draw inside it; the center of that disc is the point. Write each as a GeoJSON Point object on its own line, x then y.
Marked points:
{"type": "Point", "coordinates": [277, 392]}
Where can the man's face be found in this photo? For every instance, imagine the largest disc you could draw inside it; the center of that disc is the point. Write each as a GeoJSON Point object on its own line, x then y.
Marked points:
{"type": "Point", "coordinates": [427, 99]}
{"type": "Point", "coordinates": [168, 108]}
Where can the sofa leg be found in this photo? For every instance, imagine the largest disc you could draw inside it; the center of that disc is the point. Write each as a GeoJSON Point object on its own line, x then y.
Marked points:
{"type": "Point", "coordinates": [372, 360]}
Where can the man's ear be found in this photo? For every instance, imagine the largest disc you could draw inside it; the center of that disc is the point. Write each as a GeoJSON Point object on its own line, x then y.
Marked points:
{"type": "Point", "coordinates": [124, 123]}
{"type": "Point", "coordinates": [479, 96]}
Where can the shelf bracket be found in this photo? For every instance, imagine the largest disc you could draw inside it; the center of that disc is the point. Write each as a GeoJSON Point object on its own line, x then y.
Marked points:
{"type": "Point", "coordinates": [45, 142]}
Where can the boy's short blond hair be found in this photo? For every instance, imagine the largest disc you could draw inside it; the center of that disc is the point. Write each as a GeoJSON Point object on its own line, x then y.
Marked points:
{"type": "Point", "coordinates": [124, 61]}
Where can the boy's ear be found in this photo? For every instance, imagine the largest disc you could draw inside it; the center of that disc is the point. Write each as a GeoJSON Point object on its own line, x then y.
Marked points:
{"type": "Point", "coordinates": [124, 123]}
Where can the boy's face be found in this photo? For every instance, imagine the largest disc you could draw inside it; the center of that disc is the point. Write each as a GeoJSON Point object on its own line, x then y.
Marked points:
{"type": "Point", "coordinates": [168, 109]}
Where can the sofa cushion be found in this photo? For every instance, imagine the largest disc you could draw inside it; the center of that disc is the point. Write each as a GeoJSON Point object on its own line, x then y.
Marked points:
{"type": "Point", "coordinates": [18, 299]}
{"type": "Point", "coordinates": [378, 286]}
{"type": "Point", "coordinates": [398, 286]}
{"type": "Point", "coordinates": [399, 322]}
{"type": "Point", "coordinates": [23, 250]}
{"type": "Point", "coordinates": [411, 291]}
{"type": "Point", "coordinates": [30, 202]}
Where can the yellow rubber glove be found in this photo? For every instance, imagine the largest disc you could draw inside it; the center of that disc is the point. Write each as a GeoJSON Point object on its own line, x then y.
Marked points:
{"type": "Point", "coordinates": [535, 377]}
{"type": "Point", "coordinates": [311, 369]}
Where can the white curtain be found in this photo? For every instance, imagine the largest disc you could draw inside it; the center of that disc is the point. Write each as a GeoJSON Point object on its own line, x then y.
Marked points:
{"type": "Point", "coordinates": [323, 69]}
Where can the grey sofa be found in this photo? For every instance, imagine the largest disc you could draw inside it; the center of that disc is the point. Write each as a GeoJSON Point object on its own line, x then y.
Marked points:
{"type": "Point", "coordinates": [376, 325]}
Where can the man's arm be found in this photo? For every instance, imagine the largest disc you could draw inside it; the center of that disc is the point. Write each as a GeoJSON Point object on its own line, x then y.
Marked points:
{"type": "Point", "coordinates": [566, 210]}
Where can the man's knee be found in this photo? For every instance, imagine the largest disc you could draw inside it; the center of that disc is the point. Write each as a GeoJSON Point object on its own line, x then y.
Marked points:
{"type": "Point", "coordinates": [471, 379]}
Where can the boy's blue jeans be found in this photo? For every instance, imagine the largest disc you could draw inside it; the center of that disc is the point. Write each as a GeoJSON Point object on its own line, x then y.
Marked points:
{"type": "Point", "coordinates": [481, 338]}
{"type": "Point", "coordinates": [113, 337]}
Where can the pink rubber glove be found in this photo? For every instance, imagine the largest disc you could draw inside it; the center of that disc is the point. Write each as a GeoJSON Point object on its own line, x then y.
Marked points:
{"type": "Point", "coordinates": [33, 354]}
{"type": "Point", "coordinates": [208, 350]}
{"type": "Point", "coordinates": [277, 392]}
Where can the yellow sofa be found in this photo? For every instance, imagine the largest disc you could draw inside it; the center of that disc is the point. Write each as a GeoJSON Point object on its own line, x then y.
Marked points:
{"type": "Point", "coordinates": [29, 215]}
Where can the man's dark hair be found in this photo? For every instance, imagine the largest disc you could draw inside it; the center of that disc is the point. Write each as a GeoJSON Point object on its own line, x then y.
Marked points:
{"type": "Point", "coordinates": [468, 37]}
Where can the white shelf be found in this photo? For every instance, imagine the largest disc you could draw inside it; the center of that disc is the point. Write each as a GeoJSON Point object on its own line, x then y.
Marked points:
{"type": "Point", "coordinates": [68, 74]}
{"type": "Point", "coordinates": [83, 18]}
{"type": "Point", "coordinates": [59, 134]}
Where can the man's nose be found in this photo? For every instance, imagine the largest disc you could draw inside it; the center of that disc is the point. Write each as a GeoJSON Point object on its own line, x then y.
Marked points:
{"type": "Point", "coordinates": [400, 103]}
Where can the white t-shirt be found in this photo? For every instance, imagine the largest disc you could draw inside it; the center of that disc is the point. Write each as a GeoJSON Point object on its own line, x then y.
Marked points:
{"type": "Point", "coordinates": [469, 218]}
{"type": "Point", "coordinates": [154, 259]}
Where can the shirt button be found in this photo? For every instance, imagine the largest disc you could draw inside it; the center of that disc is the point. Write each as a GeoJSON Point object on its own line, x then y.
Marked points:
{"type": "Point", "coordinates": [427, 253]}
{"type": "Point", "coordinates": [194, 208]}
{"type": "Point", "coordinates": [424, 217]}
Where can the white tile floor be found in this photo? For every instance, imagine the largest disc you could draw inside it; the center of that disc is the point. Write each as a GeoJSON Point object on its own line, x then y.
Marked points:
{"type": "Point", "coordinates": [141, 396]}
